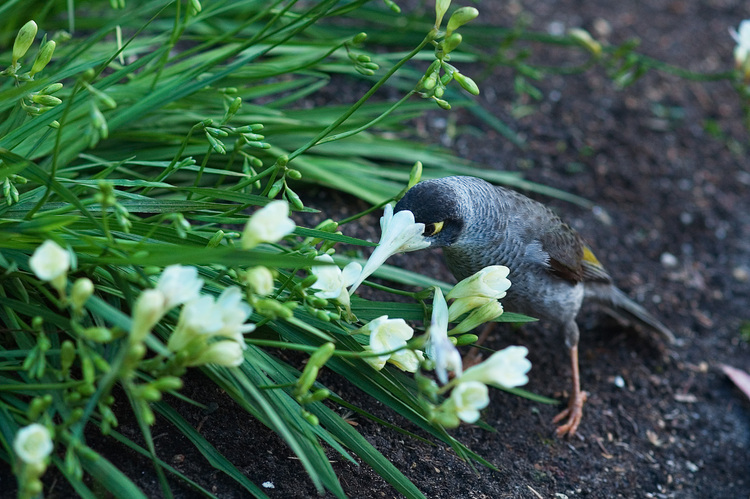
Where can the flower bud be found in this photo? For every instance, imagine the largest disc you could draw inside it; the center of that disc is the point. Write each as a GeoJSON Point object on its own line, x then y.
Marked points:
{"type": "Point", "coordinates": [43, 58]}
{"type": "Point", "coordinates": [149, 308]}
{"type": "Point", "coordinates": [466, 83]}
{"type": "Point", "coordinates": [459, 18]}
{"type": "Point", "coordinates": [485, 313]}
{"type": "Point", "coordinates": [583, 38]}
{"type": "Point", "coordinates": [441, 7]}
{"type": "Point", "coordinates": [359, 38]}
{"type": "Point", "coordinates": [24, 39]}
{"type": "Point", "coordinates": [260, 280]}
{"type": "Point", "coordinates": [415, 175]}
{"type": "Point", "coordinates": [451, 42]}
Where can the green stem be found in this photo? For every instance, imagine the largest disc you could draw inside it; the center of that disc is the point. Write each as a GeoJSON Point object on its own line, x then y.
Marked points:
{"type": "Point", "coordinates": [316, 140]}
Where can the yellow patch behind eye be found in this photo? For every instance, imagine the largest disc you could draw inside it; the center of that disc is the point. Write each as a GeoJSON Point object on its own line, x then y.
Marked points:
{"type": "Point", "coordinates": [438, 227]}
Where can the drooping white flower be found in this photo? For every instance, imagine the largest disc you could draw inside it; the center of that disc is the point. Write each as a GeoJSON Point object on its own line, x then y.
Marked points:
{"type": "Point", "coordinates": [268, 225]}
{"type": "Point", "coordinates": [179, 284]}
{"type": "Point", "coordinates": [205, 317]}
{"type": "Point", "coordinates": [504, 368]}
{"type": "Point", "coordinates": [407, 360]}
{"type": "Point", "coordinates": [490, 282]}
{"type": "Point", "coordinates": [469, 397]}
{"type": "Point", "coordinates": [50, 263]}
{"type": "Point", "coordinates": [439, 347]}
{"type": "Point", "coordinates": [399, 234]}
{"type": "Point", "coordinates": [33, 443]}
{"type": "Point", "coordinates": [332, 281]}
{"type": "Point", "coordinates": [233, 311]}
{"type": "Point", "coordinates": [387, 335]}
{"type": "Point", "coordinates": [742, 37]}
{"type": "Point", "coordinates": [227, 353]}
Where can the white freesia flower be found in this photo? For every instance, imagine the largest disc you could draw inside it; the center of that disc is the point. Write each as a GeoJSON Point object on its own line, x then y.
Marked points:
{"type": "Point", "coordinates": [205, 317]}
{"type": "Point", "coordinates": [33, 443]}
{"type": "Point", "coordinates": [268, 225]}
{"type": "Point", "coordinates": [407, 360]}
{"type": "Point", "coordinates": [468, 398]}
{"type": "Point", "coordinates": [260, 279]}
{"type": "Point", "coordinates": [490, 283]}
{"type": "Point", "coordinates": [233, 311]}
{"type": "Point", "coordinates": [504, 368]}
{"type": "Point", "coordinates": [386, 335]}
{"type": "Point", "coordinates": [148, 309]}
{"type": "Point", "coordinates": [742, 37]}
{"type": "Point", "coordinates": [51, 263]}
{"type": "Point", "coordinates": [439, 347]}
{"type": "Point", "coordinates": [224, 353]}
{"type": "Point", "coordinates": [179, 284]}
{"type": "Point", "coordinates": [332, 281]}
{"type": "Point", "coordinates": [399, 234]}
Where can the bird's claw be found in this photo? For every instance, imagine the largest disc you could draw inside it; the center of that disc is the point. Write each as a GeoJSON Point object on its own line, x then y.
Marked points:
{"type": "Point", "coordinates": [573, 413]}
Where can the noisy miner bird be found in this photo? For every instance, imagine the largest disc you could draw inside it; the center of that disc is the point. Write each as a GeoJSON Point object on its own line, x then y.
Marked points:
{"type": "Point", "coordinates": [552, 269]}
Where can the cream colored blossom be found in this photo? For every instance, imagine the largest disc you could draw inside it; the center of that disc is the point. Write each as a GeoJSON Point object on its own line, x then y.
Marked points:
{"type": "Point", "coordinates": [268, 225]}
{"type": "Point", "coordinates": [227, 353]}
{"type": "Point", "coordinates": [399, 234]}
{"type": "Point", "coordinates": [333, 281]}
{"type": "Point", "coordinates": [51, 263]}
{"type": "Point", "coordinates": [33, 444]}
{"type": "Point", "coordinates": [468, 398]}
{"type": "Point", "coordinates": [260, 280]}
{"type": "Point", "coordinates": [179, 284]}
{"type": "Point", "coordinates": [439, 348]}
{"type": "Point", "coordinates": [504, 368]}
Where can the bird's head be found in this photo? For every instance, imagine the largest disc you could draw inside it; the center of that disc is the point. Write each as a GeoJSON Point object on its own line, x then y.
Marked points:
{"type": "Point", "coordinates": [444, 206]}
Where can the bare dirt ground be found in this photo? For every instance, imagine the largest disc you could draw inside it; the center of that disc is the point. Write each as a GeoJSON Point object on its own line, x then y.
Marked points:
{"type": "Point", "coordinates": [672, 226]}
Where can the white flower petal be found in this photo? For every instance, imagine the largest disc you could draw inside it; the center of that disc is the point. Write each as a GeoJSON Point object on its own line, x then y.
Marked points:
{"type": "Point", "coordinates": [506, 368]}
{"type": "Point", "coordinates": [439, 347]}
{"type": "Point", "coordinates": [268, 225]}
{"type": "Point", "coordinates": [49, 261]}
{"type": "Point", "coordinates": [399, 234]}
{"type": "Point", "coordinates": [179, 284]}
{"type": "Point", "coordinates": [33, 443]}
{"type": "Point", "coordinates": [469, 398]}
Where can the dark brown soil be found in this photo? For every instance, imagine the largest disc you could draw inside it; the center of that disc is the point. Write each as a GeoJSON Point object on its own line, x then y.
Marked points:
{"type": "Point", "coordinates": [672, 225]}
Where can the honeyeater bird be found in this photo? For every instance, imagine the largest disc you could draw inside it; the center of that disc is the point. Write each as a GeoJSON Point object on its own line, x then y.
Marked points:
{"type": "Point", "coordinates": [552, 269]}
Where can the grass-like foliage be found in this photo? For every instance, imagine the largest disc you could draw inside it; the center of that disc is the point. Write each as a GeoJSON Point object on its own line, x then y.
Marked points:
{"type": "Point", "coordinates": [141, 139]}
{"type": "Point", "coordinates": [136, 141]}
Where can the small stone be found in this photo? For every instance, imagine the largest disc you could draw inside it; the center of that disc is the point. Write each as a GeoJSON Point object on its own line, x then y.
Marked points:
{"type": "Point", "coordinates": [692, 467]}
{"type": "Point", "coordinates": [268, 485]}
{"type": "Point", "coordinates": [741, 274]}
{"type": "Point", "coordinates": [668, 260]}
{"type": "Point", "coordinates": [619, 382]}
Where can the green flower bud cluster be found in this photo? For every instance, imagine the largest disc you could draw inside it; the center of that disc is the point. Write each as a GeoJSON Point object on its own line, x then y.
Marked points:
{"type": "Point", "coordinates": [362, 63]}
{"type": "Point", "coordinates": [440, 73]}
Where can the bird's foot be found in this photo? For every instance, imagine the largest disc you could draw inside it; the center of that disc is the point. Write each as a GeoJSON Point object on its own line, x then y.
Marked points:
{"type": "Point", "coordinates": [573, 413]}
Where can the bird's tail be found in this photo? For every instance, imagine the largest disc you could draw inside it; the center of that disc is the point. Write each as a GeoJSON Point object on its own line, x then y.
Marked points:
{"type": "Point", "coordinates": [620, 306]}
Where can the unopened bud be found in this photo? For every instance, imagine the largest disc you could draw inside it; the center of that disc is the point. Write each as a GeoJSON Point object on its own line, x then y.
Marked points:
{"type": "Point", "coordinates": [466, 83]}
{"type": "Point", "coordinates": [83, 288]}
{"type": "Point", "coordinates": [43, 58]}
{"type": "Point", "coordinates": [584, 38]}
{"type": "Point", "coordinates": [459, 18]}
{"type": "Point", "coordinates": [24, 39]}
{"type": "Point", "coordinates": [360, 37]}
{"type": "Point", "coordinates": [451, 42]}
{"type": "Point", "coordinates": [415, 175]}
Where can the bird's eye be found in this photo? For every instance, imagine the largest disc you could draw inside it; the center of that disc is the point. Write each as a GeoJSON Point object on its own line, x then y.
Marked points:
{"type": "Point", "coordinates": [433, 229]}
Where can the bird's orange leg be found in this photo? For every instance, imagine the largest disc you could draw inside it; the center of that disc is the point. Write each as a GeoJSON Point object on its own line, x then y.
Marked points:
{"type": "Point", "coordinates": [574, 412]}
